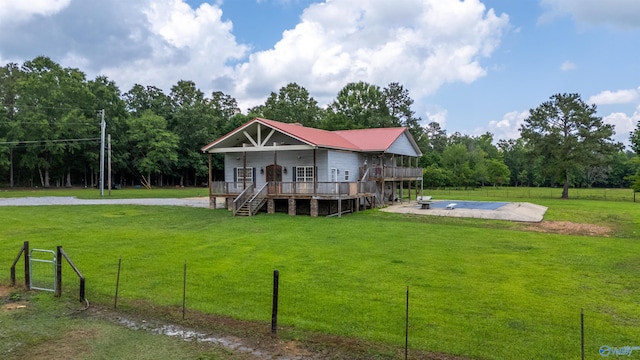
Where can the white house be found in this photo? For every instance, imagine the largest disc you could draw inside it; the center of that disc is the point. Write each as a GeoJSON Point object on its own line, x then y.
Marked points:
{"type": "Point", "coordinates": [278, 166]}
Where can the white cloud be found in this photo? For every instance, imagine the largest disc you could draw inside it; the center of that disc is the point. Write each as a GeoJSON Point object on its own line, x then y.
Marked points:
{"type": "Point", "coordinates": [615, 97]}
{"type": "Point", "coordinates": [421, 43]}
{"type": "Point", "coordinates": [624, 124]}
{"type": "Point", "coordinates": [150, 42]}
{"type": "Point", "coordinates": [185, 43]}
{"type": "Point", "coordinates": [619, 13]}
{"type": "Point", "coordinates": [21, 10]}
{"type": "Point", "coordinates": [567, 65]}
{"type": "Point", "coordinates": [436, 115]}
{"type": "Point", "coordinates": [509, 126]}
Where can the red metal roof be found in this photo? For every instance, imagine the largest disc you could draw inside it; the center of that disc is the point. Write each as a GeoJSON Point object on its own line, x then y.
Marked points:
{"type": "Point", "coordinates": [378, 139]}
{"type": "Point", "coordinates": [312, 136]}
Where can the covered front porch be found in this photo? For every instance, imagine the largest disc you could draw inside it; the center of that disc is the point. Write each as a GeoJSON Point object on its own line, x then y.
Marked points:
{"type": "Point", "coordinates": [296, 198]}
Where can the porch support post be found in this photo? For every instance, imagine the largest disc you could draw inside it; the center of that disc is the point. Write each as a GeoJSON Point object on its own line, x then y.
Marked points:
{"type": "Point", "coordinates": [212, 200]}
{"type": "Point", "coordinates": [315, 177]}
{"type": "Point", "coordinates": [292, 206]}
{"type": "Point", "coordinates": [275, 166]}
{"type": "Point", "coordinates": [410, 171]}
{"type": "Point", "coordinates": [244, 168]}
{"type": "Point", "coordinates": [403, 177]}
{"type": "Point", "coordinates": [421, 178]}
{"type": "Point", "coordinates": [314, 207]}
{"type": "Point", "coordinates": [271, 206]}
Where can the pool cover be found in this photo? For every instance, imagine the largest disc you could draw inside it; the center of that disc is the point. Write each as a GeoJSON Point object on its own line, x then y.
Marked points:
{"type": "Point", "coordinates": [477, 205]}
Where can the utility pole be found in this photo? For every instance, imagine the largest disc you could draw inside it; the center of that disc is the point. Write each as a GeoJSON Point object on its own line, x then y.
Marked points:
{"type": "Point", "coordinates": [109, 163]}
{"type": "Point", "coordinates": [103, 127]}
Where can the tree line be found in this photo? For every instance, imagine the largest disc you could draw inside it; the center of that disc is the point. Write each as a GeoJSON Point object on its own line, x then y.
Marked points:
{"type": "Point", "coordinates": [50, 118]}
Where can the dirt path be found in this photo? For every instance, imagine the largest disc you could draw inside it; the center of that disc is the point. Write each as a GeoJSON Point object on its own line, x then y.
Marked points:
{"type": "Point", "coordinates": [244, 340]}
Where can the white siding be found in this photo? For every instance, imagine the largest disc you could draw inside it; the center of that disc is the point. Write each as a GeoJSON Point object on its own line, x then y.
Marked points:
{"type": "Point", "coordinates": [286, 159]}
{"type": "Point", "coordinates": [254, 159]}
{"type": "Point", "coordinates": [402, 146]}
{"type": "Point", "coordinates": [344, 161]}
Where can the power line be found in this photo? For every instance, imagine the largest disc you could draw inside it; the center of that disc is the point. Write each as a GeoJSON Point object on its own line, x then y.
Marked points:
{"type": "Point", "coordinates": [21, 142]}
{"type": "Point", "coordinates": [47, 107]}
{"type": "Point", "coordinates": [43, 123]}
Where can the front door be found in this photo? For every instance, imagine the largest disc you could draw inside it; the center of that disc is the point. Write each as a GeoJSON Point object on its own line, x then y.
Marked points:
{"type": "Point", "coordinates": [274, 178]}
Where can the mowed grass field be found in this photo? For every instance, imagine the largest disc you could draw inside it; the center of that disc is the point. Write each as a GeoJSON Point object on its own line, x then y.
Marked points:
{"type": "Point", "coordinates": [479, 288]}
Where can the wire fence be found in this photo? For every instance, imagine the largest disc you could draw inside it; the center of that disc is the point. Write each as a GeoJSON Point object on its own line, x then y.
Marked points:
{"type": "Point", "coordinates": [535, 193]}
{"type": "Point", "coordinates": [415, 322]}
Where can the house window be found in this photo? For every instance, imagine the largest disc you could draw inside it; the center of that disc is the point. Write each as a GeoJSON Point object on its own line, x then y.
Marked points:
{"type": "Point", "coordinates": [334, 174]}
{"type": "Point", "coordinates": [304, 174]}
{"type": "Point", "coordinates": [346, 175]}
{"type": "Point", "coordinates": [244, 174]}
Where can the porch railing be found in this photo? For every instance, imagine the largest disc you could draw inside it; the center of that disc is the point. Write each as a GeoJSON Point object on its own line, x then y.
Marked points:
{"type": "Point", "coordinates": [392, 172]}
{"type": "Point", "coordinates": [293, 188]}
{"type": "Point", "coordinates": [323, 188]}
{"type": "Point", "coordinates": [258, 199]}
{"type": "Point", "coordinates": [242, 198]}
{"type": "Point", "coordinates": [227, 188]}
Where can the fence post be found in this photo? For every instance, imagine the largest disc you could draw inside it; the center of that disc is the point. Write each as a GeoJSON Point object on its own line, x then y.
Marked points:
{"type": "Point", "coordinates": [582, 332]}
{"type": "Point", "coordinates": [184, 290]}
{"type": "Point", "coordinates": [274, 309]}
{"type": "Point", "coordinates": [27, 271]}
{"type": "Point", "coordinates": [115, 300]}
{"type": "Point", "coordinates": [406, 328]}
{"type": "Point", "coordinates": [82, 296]}
{"type": "Point", "coordinates": [13, 266]}
{"type": "Point", "coordinates": [58, 286]}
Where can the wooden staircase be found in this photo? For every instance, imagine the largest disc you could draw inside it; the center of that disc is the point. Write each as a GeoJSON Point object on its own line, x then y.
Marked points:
{"type": "Point", "coordinates": [244, 210]}
{"type": "Point", "coordinates": [251, 206]}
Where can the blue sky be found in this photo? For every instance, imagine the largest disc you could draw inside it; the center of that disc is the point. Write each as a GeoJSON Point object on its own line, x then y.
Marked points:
{"type": "Point", "coordinates": [473, 66]}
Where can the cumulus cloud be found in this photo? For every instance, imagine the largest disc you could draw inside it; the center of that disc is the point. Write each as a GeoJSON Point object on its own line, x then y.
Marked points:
{"type": "Point", "coordinates": [438, 115]}
{"type": "Point", "coordinates": [18, 11]}
{"type": "Point", "coordinates": [509, 126]}
{"type": "Point", "coordinates": [420, 43]}
{"type": "Point", "coordinates": [608, 97]}
{"type": "Point", "coordinates": [624, 124]}
{"type": "Point", "coordinates": [151, 42]}
{"type": "Point", "coordinates": [185, 43]}
{"type": "Point", "coordinates": [567, 65]}
{"type": "Point", "coordinates": [619, 13]}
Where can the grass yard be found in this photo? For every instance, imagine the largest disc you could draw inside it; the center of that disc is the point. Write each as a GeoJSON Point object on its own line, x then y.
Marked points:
{"type": "Point", "coordinates": [482, 289]}
{"type": "Point", "coordinates": [40, 330]}
{"type": "Point", "coordinates": [531, 193]}
{"type": "Point", "coordinates": [124, 193]}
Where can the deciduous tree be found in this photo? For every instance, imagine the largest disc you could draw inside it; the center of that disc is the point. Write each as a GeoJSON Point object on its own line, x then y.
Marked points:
{"type": "Point", "coordinates": [293, 104]}
{"type": "Point", "coordinates": [358, 106]}
{"type": "Point", "coordinates": [154, 148]}
{"type": "Point", "coordinates": [568, 134]}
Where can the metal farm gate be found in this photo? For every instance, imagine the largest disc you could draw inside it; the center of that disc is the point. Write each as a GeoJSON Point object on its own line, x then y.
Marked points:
{"type": "Point", "coordinates": [42, 266]}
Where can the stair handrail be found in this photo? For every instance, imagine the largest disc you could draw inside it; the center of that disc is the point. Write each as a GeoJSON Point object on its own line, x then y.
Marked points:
{"type": "Point", "coordinates": [261, 194]}
{"type": "Point", "coordinates": [365, 176]}
{"type": "Point", "coordinates": [242, 199]}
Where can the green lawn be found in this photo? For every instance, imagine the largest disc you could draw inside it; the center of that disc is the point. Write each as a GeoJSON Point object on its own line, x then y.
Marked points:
{"type": "Point", "coordinates": [531, 193]}
{"type": "Point", "coordinates": [48, 328]}
{"type": "Point", "coordinates": [485, 289]}
{"type": "Point", "coordinates": [124, 193]}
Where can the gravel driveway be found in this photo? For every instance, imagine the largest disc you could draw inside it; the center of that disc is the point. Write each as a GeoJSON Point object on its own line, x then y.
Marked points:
{"type": "Point", "coordinates": [202, 202]}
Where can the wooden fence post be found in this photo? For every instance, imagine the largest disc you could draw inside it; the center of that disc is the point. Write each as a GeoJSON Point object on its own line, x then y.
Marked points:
{"type": "Point", "coordinates": [274, 311]}
{"type": "Point", "coordinates": [27, 271]}
{"type": "Point", "coordinates": [58, 291]}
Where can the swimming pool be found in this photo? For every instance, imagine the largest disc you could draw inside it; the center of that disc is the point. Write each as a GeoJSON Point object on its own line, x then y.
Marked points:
{"type": "Point", "coordinates": [477, 205]}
